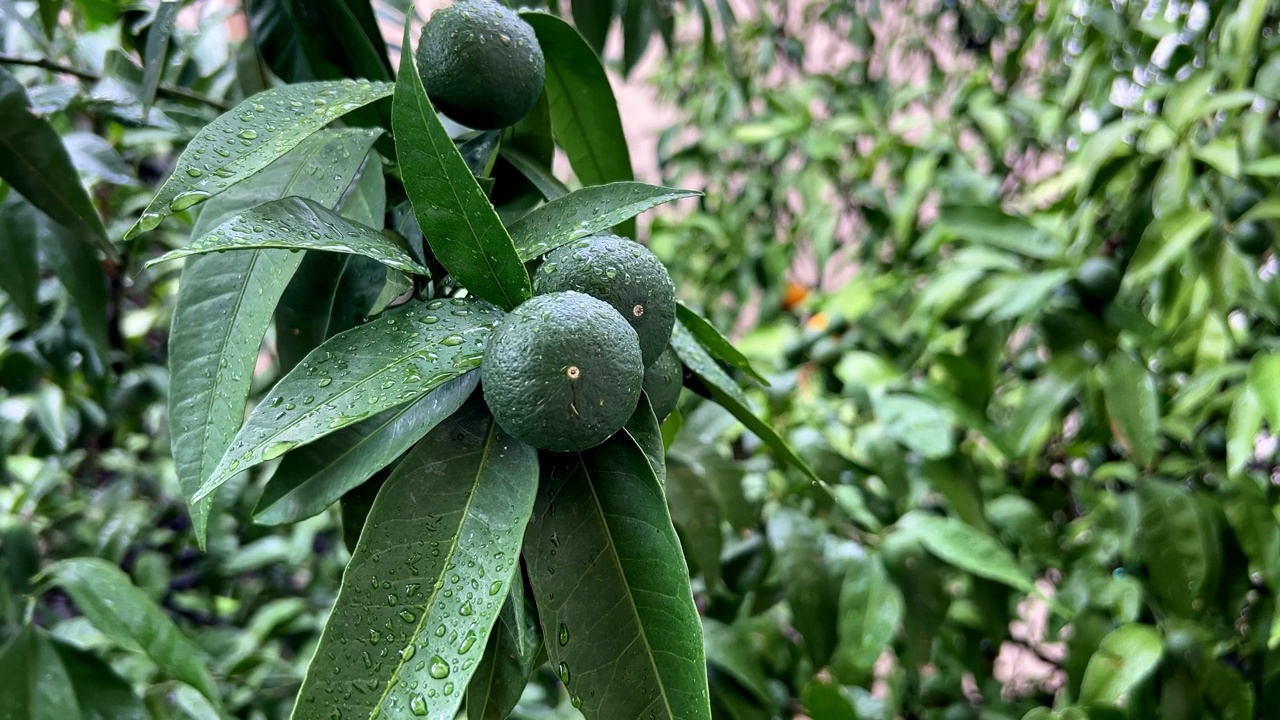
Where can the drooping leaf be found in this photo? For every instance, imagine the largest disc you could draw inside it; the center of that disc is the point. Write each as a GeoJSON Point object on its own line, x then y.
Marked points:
{"type": "Point", "coordinates": [1175, 548]}
{"type": "Point", "coordinates": [870, 612]}
{"type": "Point", "coordinates": [1125, 658]}
{"type": "Point", "coordinates": [438, 555]}
{"type": "Point", "coordinates": [315, 476]}
{"type": "Point", "coordinates": [226, 305]}
{"type": "Point", "coordinates": [49, 11]}
{"type": "Point", "coordinates": [510, 658]}
{"type": "Point", "coordinates": [586, 212]}
{"type": "Point", "coordinates": [728, 395]}
{"type": "Point", "coordinates": [612, 587]}
{"type": "Point", "coordinates": [1242, 430]}
{"type": "Point", "coordinates": [296, 223]}
{"type": "Point", "coordinates": [299, 327]}
{"type": "Point", "coordinates": [584, 112]}
{"type": "Point", "coordinates": [797, 546]}
{"type": "Point", "coordinates": [456, 217]}
{"type": "Point", "coordinates": [303, 40]}
{"type": "Point", "coordinates": [593, 18]}
{"type": "Point", "coordinates": [715, 343]}
{"type": "Point", "coordinates": [157, 50]}
{"type": "Point", "coordinates": [399, 357]}
{"type": "Point", "coordinates": [20, 272]}
{"type": "Point", "coordinates": [639, 21]}
{"type": "Point", "coordinates": [968, 548]}
{"type": "Point", "coordinates": [34, 161]}
{"type": "Point", "coordinates": [33, 681]}
{"type": "Point", "coordinates": [1131, 401]}
{"type": "Point", "coordinates": [122, 612]}
{"type": "Point", "coordinates": [248, 138]}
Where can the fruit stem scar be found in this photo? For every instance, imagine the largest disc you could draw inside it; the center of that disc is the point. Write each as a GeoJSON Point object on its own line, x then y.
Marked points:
{"type": "Point", "coordinates": [573, 372]}
{"type": "Point", "coordinates": [638, 310]}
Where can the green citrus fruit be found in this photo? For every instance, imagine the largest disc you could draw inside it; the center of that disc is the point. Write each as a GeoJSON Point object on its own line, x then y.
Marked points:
{"type": "Point", "coordinates": [622, 273]}
{"type": "Point", "coordinates": [1241, 202]}
{"type": "Point", "coordinates": [826, 351]}
{"type": "Point", "coordinates": [562, 372]}
{"type": "Point", "coordinates": [662, 382]}
{"type": "Point", "coordinates": [1252, 238]}
{"type": "Point", "coordinates": [481, 64]}
{"type": "Point", "coordinates": [1099, 280]}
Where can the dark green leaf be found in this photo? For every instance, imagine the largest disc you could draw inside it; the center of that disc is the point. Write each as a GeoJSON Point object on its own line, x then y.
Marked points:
{"type": "Point", "coordinates": [357, 374]}
{"type": "Point", "coordinates": [1174, 547]}
{"type": "Point", "coordinates": [535, 173]}
{"type": "Point", "coordinates": [100, 692]}
{"type": "Point", "coordinates": [1249, 513]}
{"type": "Point", "coordinates": [593, 18]}
{"type": "Point", "coordinates": [1124, 659]}
{"type": "Point", "coordinates": [584, 113]}
{"type": "Point", "coordinates": [1230, 694]}
{"type": "Point", "coordinates": [824, 700]}
{"type": "Point", "coordinates": [34, 161]}
{"type": "Point", "coordinates": [870, 612]}
{"type": "Point", "coordinates": [987, 225]}
{"type": "Point", "coordinates": [122, 612]}
{"type": "Point", "coordinates": [49, 11]}
{"type": "Point", "coordinates": [250, 137]}
{"type": "Point", "coordinates": [797, 544]}
{"type": "Point", "coordinates": [299, 327]}
{"type": "Point", "coordinates": [1131, 400]}
{"type": "Point", "coordinates": [612, 587]}
{"type": "Point", "coordinates": [638, 24]}
{"type": "Point", "coordinates": [430, 574]}
{"type": "Point", "coordinates": [586, 212]}
{"type": "Point", "coordinates": [696, 513]}
{"type": "Point", "coordinates": [715, 343]}
{"type": "Point", "coordinates": [315, 476]}
{"type": "Point", "coordinates": [1166, 242]}
{"type": "Point", "coordinates": [296, 223]}
{"type": "Point", "coordinates": [509, 660]}
{"type": "Point", "coordinates": [157, 50]}
{"type": "Point", "coordinates": [728, 395]}
{"type": "Point", "coordinates": [456, 217]}
{"type": "Point", "coordinates": [20, 272]}
{"type": "Point", "coordinates": [643, 428]}
{"type": "Point", "coordinates": [33, 681]}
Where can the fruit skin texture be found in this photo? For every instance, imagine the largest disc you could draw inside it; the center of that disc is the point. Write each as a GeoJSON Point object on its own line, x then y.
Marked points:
{"type": "Point", "coordinates": [562, 372]}
{"type": "Point", "coordinates": [662, 382]}
{"type": "Point", "coordinates": [1252, 238]}
{"type": "Point", "coordinates": [481, 64]}
{"type": "Point", "coordinates": [624, 274]}
{"type": "Point", "coordinates": [1098, 280]}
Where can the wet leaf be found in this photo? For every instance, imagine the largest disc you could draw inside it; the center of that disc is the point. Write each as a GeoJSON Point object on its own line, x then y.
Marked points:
{"type": "Point", "coordinates": [585, 212]}
{"type": "Point", "coordinates": [510, 658]}
{"type": "Point", "coordinates": [20, 273]}
{"type": "Point", "coordinates": [1125, 658]}
{"type": "Point", "coordinates": [715, 343]}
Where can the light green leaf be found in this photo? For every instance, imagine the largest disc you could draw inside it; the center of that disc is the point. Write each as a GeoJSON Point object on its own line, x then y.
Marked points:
{"type": "Point", "coordinates": [1175, 548]}
{"type": "Point", "coordinates": [1250, 515]}
{"type": "Point", "coordinates": [428, 578]}
{"type": "Point", "coordinates": [967, 548]}
{"type": "Point", "coordinates": [1169, 194]}
{"type": "Point", "coordinates": [296, 223]}
{"type": "Point", "coordinates": [1125, 658]}
{"type": "Point", "coordinates": [122, 612]}
{"type": "Point", "coordinates": [456, 216]}
{"type": "Point", "coordinates": [918, 424]}
{"type": "Point", "coordinates": [644, 430]}
{"type": "Point", "coordinates": [315, 476]}
{"type": "Point", "coordinates": [728, 649]}
{"type": "Point", "coordinates": [870, 612]}
{"type": "Point", "coordinates": [1242, 430]}
{"type": "Point", "coordinates": [510, 658]}
{"type": "Point", "coordinates": [1264, 381]}
{"type": "Point", "coordinates": [715, 343]}
{"type": "Point", "coordinates": [584, 113]}
{"type": "Point", "coordinates": [1186, 98]}
{"type": "Point", "coordinates": [357, 374]}
{"type": "Point", "coordinates": [249, 137]}
{"type": "Point", "coordinates": [1165, 242]}
{"type": "Point", "coordinates": [34, 161]}
{"type": "Point", "coordinates": [612, 587]}
{"type": "Point", "coordinates": [1130, 394]}
{"type": "Point", "coordinates": [1222, 154]}
{"type": "Point", "coordinates": [989, 226]}
{"type": "Point", "coordinates": [726, 393]}
{"type": "Point", "coordinates": [694, 510]}
{"type": "Point", "coordinates": [586, 212]}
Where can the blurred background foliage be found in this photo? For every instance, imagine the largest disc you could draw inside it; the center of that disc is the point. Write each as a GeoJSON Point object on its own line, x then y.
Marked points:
{"type": "Point", "coordinates": [1011, 265]}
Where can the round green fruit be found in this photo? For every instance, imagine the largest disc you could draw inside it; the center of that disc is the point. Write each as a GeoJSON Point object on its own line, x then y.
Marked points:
{"type": "Point", "coordinates": [624, 274]}
{"type": "Point", "coordinates": [826, 352]}
{"type": "Point", "coordinates": [481, 64]}
{"type": "Point", "coordinates": [562, 372]}
{"type": "Point", "coordinates": [662, 382]}
{"type": "Point", "coordinates": [1241, 202]}
{"type": "Point", "coordinates": [1098, 280]}
{"type": "Point", "coordinates": [1252, 238]}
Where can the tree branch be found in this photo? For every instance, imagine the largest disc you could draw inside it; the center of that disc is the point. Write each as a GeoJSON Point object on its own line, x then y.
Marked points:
{"type": "Point", "coordinates": [169, 90]}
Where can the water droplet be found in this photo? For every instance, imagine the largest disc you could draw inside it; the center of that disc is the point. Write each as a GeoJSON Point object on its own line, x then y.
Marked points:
{"type": "Point", "coordinates": [452, 341]}
{"type": "Point", "coordinates": [418, 705]}
{"type": "Point", "coordinates": [276, 449]}
{"type": "Point", "coordinates": [408, 652]}
{"type": "Point", "coordinates": [247, 134]}
{"type": "Point", "coordinates": [466, 610]}
{"type": "Point", "coordinates": [564, 635]}
{"type": "Point", "coordinates": [195, 172]}
{"type": "Point", "coordinates": [440, 631]}
{"type": "Point", "coordinates": [428, 319]}
{"type": "Point", "coordinates": [374, 637]}
{"type": "Point", "coordinates": [325, 382]}
{"type": "Point", "coordinates": [564, 672]}
{"type": "Point", "coordinates": [407, 616]}
{"type": "Point", "coordinates": [448, 688]}
{"type": "Point", "coordinates": [496, 587]}
{"type": "Point", "coordinates": [439, 668]}
{"type": "Point", "coordinates": [576, 700]}
{"type": "Point", "coordinates": [186, 200]}
{"type": "Point", "coordinates": [368, 661]}
{"type": "Point", "coordinates": [467, 644]}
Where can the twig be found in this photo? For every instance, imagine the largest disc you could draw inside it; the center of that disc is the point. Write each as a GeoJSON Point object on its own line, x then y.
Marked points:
{"type": "Point", "coordinates": [170, 90]}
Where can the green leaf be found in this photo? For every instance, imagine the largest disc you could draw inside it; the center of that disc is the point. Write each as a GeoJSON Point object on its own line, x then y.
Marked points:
{"type": "Point", "coordinates": [824, 700]}
{"type": "Point", "coordinates": [1125, 658]}
{"type": "Point", "coordinates": [695, 511]}
{"type": "Point", "coordinates": [1243, 424]}
{"type": "Point", "coordinates": [967, 548]}
{"type": "Point", "coordinates": [49, 11]}
{"type": "Point", "coordinates": [584, 113]}
{"type": "Point", "coordinates": [100, 692]}
{"type": "Point", "coordinates": [612, 587]}
{"type": "Point", "coordinates": [797, 548]}
{"type": "Point", "coordinates": [250, 137]}
{"type": "Point", "coordinates": [987, 225]}
{"type": "Point", "coordinates": [1264, 380]}
{"type": "Point", "coordinates": [541, 177]}
{"type": "Point", "coordinates": [586, 212]}
{"type": "Point", "coordinates": [639, 21]}
{"type": "Point", "coordinates": [33, 681]}
{"type": "Point", "coordinates": [34, 161]}
{"type": "Point", "coordinates": [726, 393]}
{"type": "Point", "coordinates": [296, 223]}
{"type": "Point", "coordinates": [644, 430]}
{"type": "Point", "coordinates": [20, 272]}
{"type": "Point", "coordinates": [1130, 394]}
{"type": "Point", "coordinates": [428, 578]}
{"type": "Point", "coordinates": [1175, 549]}
{"type": "Point", "coordinates": [1249, 513]}
{"type": "Point", "coordinates": [715, 343]}
{"type": "Point", "coordinates": [870, 613]}
{"type": "Point", "coordinates": [299, 327]}
{"type": "Point", "coordinates": [918, 424]}
{"type": "Point", "coordinates": [728, 649]}
{"type": "Point", "coordinates": [226, 304]}
{"type": "Point", "coordinates": [456, 217]}
{"type": "Point", "coordinates": [313, 477]}
{"type": "Point", "coordinates": [593, 18]}
{"type": "Point", "coordinates": [1172, 182]}
{"type": "Point", "coordinates": [357, 374]}
{"type": "Point", "coordinates": [509, 660]}
{"type": "Point", "coordinates": [122, 612]}
{"type": "Point", "coordinates": [1165, 242]}
{"type": "Point", "coordinates": [157, 50]}
{"type": "Point", "coordinates": [1230, 693]}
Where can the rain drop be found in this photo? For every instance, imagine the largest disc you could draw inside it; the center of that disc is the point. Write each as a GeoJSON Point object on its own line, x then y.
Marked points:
{"type": "Point", "coordinates": [248, 134]}
{"type": "Point", "coordinates": [564, 673]}
{"type": "Point", "coordinates": [564, 635]}
{"type": "Point", "coordinates": [418, 705]}
{"type": "Point", "coordinates": [439, 668]}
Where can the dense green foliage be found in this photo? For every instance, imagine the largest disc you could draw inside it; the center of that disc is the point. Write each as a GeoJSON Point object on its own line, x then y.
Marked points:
{"type": "Point", "coordinates": [1002, 276]}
